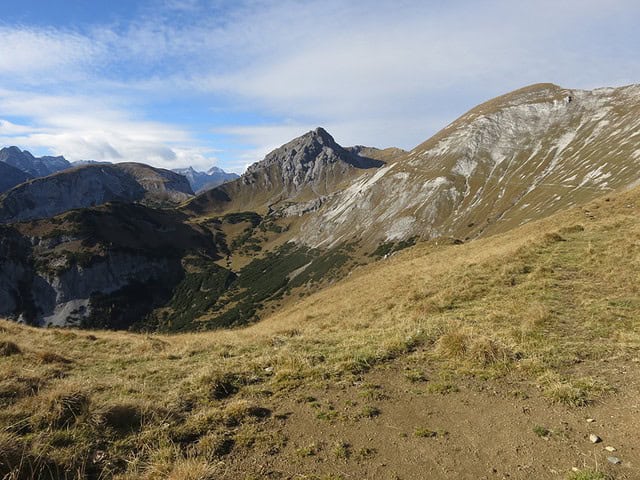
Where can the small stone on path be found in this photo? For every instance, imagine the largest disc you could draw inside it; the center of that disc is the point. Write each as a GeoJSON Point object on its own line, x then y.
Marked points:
{"type": "Point", "coordinates": [614, 460]}
{"type": "Point", "coordinates": [594, 438]}
{"type": "Point", "coordinates": [610, 449]}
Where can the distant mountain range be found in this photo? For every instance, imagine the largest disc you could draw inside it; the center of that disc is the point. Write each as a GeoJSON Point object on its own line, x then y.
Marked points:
{"type": "Point", "coordinates": [90, 185]}
{"type": "Point", "coordinates": [34, 166]}
{"type": "Point", "coordinates": [201, 181]}
{"type": "Point", "coordinates": [307, 214]}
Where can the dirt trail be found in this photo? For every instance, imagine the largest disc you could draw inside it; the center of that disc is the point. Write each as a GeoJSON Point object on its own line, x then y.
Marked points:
{"type": "Point", "coordinates": [485, 430]}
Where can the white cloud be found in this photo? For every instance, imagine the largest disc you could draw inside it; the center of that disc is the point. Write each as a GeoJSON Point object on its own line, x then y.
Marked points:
{"type": "Point", "coordinates": [401, 69]}
{"type": "Point", "coordinates": [84, 128]}
{"type": "Point", "coordinates": [389, 73]}
{"type": "Point", "coordinates": [45, 55]}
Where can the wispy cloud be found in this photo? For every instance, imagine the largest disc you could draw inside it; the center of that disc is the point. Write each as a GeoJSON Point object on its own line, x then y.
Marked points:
{"type": "Point", "coordinates": [189, 80]}
{"type": "Point", "coordinates": [45, 56]}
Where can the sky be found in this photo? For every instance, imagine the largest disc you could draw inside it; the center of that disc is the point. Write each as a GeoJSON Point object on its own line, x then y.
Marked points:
{"type": "Point", "coordinates": [176, 83]}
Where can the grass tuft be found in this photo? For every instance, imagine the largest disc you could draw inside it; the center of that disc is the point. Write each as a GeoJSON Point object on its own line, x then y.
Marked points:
{"type": "Point", "coordinates": [51, 357]}
{"type": "Point", "coordinates": [588, 474]}
{"type": "Point", "coordinates": [462, 344]}
{"type": "Point", "coordinates": [541, 431]}
{"type": "Point", "coordinates": [342, 450]}
{"type": "Point", "coordinates": [8, 348]}
{"type": "Point", "coordinates": [66, 407]}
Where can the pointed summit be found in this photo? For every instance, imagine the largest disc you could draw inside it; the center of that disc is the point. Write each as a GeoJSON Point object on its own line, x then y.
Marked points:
{"type": "Point", "coordinates": [309, 152]}
{"type": "Point", "coordinates": [312, 165]}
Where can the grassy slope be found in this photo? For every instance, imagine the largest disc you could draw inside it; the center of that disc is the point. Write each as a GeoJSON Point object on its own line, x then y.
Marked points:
{"type": "Point", "coordinates": [451, 362]}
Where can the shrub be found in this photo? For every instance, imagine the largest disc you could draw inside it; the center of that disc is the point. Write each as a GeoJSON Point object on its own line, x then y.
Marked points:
{"type": "Point", "coordinates": [8, 348]}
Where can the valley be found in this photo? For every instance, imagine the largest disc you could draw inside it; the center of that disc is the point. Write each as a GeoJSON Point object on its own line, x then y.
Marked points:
{"type": "Point", "coordinates": [311, 212]}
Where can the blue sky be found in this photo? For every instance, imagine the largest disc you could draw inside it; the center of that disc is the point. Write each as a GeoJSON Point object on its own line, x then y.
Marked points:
{"type": "Point", "coordinates": [201, 82]}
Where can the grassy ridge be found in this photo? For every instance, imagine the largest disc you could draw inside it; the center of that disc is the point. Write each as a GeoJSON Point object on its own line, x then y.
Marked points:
{"type": "Point", "coordinates": [544, 305]}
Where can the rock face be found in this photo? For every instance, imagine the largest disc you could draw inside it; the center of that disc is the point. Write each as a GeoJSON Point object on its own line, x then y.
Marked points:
{"type": "Point", "coordinates": [11, 176]}
{"type": "Point", "coordinates": [103, 267]}
{"type": "Point", "coordinates": [34, 166]}
{"type": "Point", "coordinates": [313, 159]}
{"type": "Point", "coordinates": [309, 166]}
{"type": "Point", "coordinates": [65, 299]}
{"type": "Point", "coordinates": [201, 181]}
{"type": "Point", "coordinates": [91, 185]}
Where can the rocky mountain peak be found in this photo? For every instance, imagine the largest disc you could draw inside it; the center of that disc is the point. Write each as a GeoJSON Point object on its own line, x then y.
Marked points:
{"type": "Point", "coordinates": [313, 160]}
{"type": "Point", "coordinates": [308, 152]}
{"type": "Point", "coordinates": [34, 166]}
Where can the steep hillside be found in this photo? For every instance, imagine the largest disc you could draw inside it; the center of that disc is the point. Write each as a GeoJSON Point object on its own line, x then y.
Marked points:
{"type": "Point", "coordinates": [90, 185]}
{"type": "Point", "coordinates": [493, 359]}
{"type": "Point", "coordinates": [201, 181]}
{"type": "Point", "coordinates": [511, 160]}
{"type": "Point", "coordinates": [34, 166]}
{"type": "Point", "coordinates": [11, 176]}
{"type": "Point", "coordinates": [516, 158]}
{"type": "Point", "coordinates": [122, 266]}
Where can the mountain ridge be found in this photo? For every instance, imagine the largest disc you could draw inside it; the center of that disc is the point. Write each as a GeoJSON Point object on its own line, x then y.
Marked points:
{"type": "Point", "coordinates": [34, 166]}
{"type": "Point", "coordinates": [201, 181]}
{"type": "Point", "coordinates": [89, 185]}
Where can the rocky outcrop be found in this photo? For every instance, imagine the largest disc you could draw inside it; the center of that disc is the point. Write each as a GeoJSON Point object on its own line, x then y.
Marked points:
{"type": "Point", "coordinates": [313, 160]}
{"type": "Point", "coordinates": [91, 185]}
{"type": "Point", "coordinates": [104, 267]}
{"type": "Point", "coordinates": [34, 166]}
{"type": "Point", "coordinates": [201, 181]}
{"type": "Point", "coordinates": [68, 298]}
